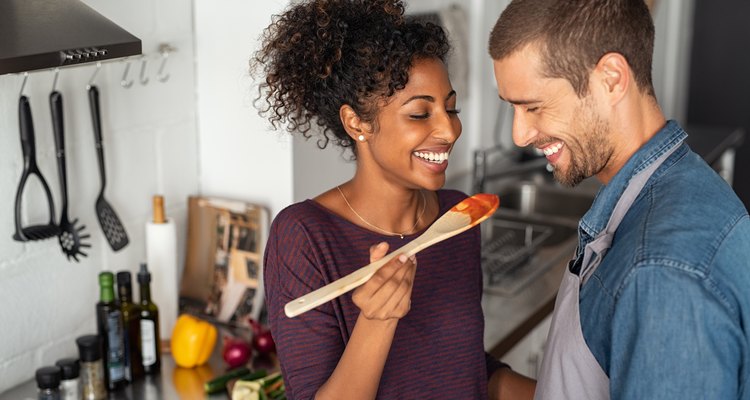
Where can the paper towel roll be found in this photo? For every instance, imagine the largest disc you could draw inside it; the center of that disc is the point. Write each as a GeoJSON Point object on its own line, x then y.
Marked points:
{"type": "Point", "coordinates": [161, 256]}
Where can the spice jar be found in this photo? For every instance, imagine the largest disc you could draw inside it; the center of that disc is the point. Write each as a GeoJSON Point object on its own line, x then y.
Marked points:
{"type": "Point", "coordinates": [92, 368]}
{"type": "Point", "coordinates": [48, 382]}
{"type": "Point", "coordinates": [70, 384]}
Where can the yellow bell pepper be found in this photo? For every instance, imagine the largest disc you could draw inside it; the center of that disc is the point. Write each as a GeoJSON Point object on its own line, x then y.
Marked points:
{"type": "Point", "coordinates": [188, 382]}
{"type": "Point", "coordinates": [192, 342]}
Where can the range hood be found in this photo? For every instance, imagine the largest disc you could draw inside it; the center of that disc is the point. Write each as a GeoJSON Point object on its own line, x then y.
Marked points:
{"type": "Point", "coordinates": [39, 34]}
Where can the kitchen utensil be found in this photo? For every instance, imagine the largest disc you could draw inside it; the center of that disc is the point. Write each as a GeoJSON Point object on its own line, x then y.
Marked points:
{"type": "Point", "coordinates": [28, 149]}
{"type": "Point", "coordinates": [113, 229]}
{"type": "Point", "coordinates": [464, 215]}
{"type": "Point", "coordinates": [70, 236]}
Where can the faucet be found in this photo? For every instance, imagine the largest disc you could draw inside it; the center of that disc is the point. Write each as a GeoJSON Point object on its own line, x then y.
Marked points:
{"type": "Point", "coordinates": [516, 163]}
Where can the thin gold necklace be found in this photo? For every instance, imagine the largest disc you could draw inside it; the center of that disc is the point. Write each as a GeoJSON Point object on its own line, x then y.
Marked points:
{"type": "Point", "coordinates": [401, 235]}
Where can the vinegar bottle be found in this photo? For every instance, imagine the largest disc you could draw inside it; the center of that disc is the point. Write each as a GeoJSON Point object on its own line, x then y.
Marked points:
{"type": "Point", "coordinates": [131, 317]}
{"type": "Point", "coordinates": [150, 349]}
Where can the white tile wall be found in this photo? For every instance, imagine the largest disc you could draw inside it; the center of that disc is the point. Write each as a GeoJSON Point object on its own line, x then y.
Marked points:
{"type": "Point", "coordinates": [151, 146]}
{"type": "Point", "coordinates": [240, 157]}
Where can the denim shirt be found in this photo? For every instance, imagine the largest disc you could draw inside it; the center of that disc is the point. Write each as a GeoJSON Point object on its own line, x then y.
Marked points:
{"type": "Point", "coordinates": [667, 313]}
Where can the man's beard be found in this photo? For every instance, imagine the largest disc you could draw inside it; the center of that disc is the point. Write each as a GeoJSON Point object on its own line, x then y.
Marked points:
{"type": "Point", "coordinates": [590, 151]}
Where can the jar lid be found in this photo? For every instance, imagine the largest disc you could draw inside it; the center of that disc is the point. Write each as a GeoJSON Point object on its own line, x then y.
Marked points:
{"type": "Point", "coordinates": [89, 348]}
{"type": "Point", "coordinates": [70, 368]}
{"type": "Point", "coordinates": [48, 378]}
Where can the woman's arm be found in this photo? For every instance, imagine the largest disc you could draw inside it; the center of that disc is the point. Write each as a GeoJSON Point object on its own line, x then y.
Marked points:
{"type": "Point", "coordinates": [383, 300]}
{"type": "Point", "coordinates": [506, 384]}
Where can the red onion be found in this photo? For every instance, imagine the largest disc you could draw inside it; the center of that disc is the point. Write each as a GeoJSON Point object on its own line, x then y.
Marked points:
{"type": "Point", "coordinates": [236, 352]}
{"type": "Point", "coordinates": [263, 343]}
{"type": "Point", "coordinates": [256, 326]}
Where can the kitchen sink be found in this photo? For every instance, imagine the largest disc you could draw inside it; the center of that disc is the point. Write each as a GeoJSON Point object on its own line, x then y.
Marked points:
{"type": "Point", "coordinates": [538, 201]}
{"type": "Point", "coordinates": [534, 229]}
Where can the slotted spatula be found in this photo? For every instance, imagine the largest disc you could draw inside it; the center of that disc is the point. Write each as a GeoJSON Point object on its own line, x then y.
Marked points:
{"type": "Point", "coordinates": [464, 215]}
{"type": "Point", "coordinates": [72, 236]}
{"type": "Point", "coordinates": [113, 229]}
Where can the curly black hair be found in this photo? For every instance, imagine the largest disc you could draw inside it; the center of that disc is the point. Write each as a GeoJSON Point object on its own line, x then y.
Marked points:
{"type": "Point", "coordinates": [322, 54]}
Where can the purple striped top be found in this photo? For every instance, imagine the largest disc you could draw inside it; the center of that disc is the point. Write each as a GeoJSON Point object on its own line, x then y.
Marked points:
{"type": "Point", "coordinates": [438, 349]}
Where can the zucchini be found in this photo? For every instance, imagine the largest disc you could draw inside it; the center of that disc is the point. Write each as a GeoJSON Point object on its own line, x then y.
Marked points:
{"type": "Point", "coordinates": [260, 373]}
{"type": "Point", "coordinates": [219, 383]}
{"type": "Point", "coordinates": [275, 394]}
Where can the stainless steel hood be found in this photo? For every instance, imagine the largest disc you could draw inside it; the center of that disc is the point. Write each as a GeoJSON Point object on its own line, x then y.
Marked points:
{"type": "Point", "coordinates": [39, 34]}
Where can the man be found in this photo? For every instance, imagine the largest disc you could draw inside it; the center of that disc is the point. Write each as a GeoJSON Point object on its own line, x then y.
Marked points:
{"type": "Point", "coordinates": [656, 303]}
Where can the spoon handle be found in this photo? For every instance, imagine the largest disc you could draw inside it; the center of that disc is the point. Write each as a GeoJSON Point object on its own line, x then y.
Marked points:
{"type": "Point", "coordinates": [436, 233]}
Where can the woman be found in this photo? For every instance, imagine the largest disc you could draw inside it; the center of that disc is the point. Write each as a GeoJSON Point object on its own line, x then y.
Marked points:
{"type": "Point", "coordinates": [377, 84]}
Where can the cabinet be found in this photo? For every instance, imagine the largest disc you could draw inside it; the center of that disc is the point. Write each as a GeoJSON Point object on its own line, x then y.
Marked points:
{"type": "Point", "coordinates": [526, 356]}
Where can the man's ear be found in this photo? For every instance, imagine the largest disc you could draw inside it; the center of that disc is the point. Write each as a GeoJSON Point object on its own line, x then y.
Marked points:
{"type": "Point", "coordinates": [613, 74]}
{"type": "Point", "coordinates": [358, 130]}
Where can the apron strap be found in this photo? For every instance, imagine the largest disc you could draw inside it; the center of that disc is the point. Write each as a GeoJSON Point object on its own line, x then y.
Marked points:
{"type": "Point", "coordinates": [595, 251]}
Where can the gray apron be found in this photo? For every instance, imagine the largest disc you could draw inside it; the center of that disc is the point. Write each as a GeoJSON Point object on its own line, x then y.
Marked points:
{"type": "Point", "coordinates": [569, 370]}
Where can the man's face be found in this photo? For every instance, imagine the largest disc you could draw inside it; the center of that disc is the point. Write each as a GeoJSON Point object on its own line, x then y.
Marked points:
{"type": "Point", "coordinates": [549, 116]}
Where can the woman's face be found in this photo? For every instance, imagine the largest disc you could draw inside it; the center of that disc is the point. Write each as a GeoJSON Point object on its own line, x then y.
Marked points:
{"type": "Point", "coordinates": [416, 130]}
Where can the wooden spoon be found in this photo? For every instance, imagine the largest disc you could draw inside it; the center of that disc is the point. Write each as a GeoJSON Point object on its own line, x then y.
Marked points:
{"type": "Point", "coordinates": [464, 215]}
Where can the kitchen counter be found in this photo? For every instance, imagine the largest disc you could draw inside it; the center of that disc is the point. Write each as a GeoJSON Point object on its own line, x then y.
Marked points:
{"type": "Point", "coordinates": [172, 383]}
{"type": "Point", "coordinates": [510, 319]}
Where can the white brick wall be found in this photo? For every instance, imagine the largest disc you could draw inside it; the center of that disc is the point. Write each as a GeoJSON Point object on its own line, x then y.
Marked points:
{"type": "Point", "coordinates": [151, 145]}
{"type": "Point", "coordinates": [240, 158]}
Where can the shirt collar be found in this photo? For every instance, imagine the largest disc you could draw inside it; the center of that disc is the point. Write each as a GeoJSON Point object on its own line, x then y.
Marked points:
{"type": "Point", "coordinates": [598, 215]}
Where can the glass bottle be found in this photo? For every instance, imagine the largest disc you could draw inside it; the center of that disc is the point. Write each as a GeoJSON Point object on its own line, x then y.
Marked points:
{"type": "Point", "coordinates": [48, 383]}
{"type": "Point", "coordinates": [93, 386]}
{"type": "Point", "coordinates": [131, 317]}
{"type": "Point", "coordinates": [112, 332]}
{"type": "Point", "coordinates": [150, 345]}
{"type": "Point", "coordinates": [69, 384]}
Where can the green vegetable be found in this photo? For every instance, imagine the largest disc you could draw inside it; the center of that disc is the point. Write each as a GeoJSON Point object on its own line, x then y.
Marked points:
{"type": "Point", "coordinates": [275, 394]}
{"type": "Point", "coordinates": [220, 382]}
{"type": "Point", "coordinates": [270, 379]}
{"type": "Point", "coordinates": [259, 386]}
{"type": "Point", "coordinates": [260, 373]}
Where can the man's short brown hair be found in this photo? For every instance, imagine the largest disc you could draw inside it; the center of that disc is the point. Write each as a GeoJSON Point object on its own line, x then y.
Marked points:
{"type": "Point", "coordinates": [573, 35]}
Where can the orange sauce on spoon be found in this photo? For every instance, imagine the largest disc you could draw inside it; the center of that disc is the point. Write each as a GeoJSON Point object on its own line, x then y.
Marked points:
{"type": "Point", "coordinates": [478, 207]}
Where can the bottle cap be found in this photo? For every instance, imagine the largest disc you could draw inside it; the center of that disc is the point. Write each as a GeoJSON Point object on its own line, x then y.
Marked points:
{"type": "Point", "coordinates": [143, 275]}
{"type": "Point", "coordinates": [123, 278]}
{"type": "Point", "coordinates": [106, 279]}
{"type": "Point", "coordinates": [70, 368]}
{"type": "Point", "coordinates": [48, 378]}
{"type": "Point", "coordinates": [89, 348]}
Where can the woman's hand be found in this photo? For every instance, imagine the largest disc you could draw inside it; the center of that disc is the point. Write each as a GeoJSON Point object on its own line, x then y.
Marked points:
{"type": "Point", "coordinates": [387, 295]}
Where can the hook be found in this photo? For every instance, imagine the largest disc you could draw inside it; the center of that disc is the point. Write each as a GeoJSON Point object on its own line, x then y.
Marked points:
{"type": "Point", "coordinates": [54, 81]}
{"type": "Point", "coordinates": [143, 78]}
{"type": "Point", "coordinates": [125, 82]}
{"type": "Point", "coordinates": [91, 80]}
{"type": "Point", "coordinates": [164, 50]}
{"type": "Point", "coordinates": [23, 84]}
